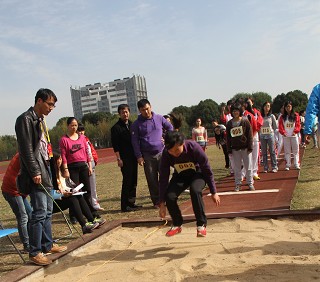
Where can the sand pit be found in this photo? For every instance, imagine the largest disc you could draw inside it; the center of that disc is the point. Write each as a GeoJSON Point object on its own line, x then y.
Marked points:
{"type": "Point", "coordinates": [234, 250]}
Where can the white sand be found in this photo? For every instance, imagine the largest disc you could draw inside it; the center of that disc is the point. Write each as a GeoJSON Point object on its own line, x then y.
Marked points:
{"type": "Point", "coordinates": [234, 250]}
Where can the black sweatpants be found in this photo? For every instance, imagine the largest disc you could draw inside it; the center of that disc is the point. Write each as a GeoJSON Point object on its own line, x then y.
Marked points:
{"type": "Point", "coordinates": [177, 185]}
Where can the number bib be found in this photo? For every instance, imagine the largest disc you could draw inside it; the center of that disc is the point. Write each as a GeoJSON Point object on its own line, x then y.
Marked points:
{"type": "Point", "coordinates": [265, 130]}
{"type": "Point", "coordinates": [184, 166]}
{"type": "Point", "coordinates": [236, 131]}
{"type": "Point", "coordinates": [200, 139]}
{"type": "Point", "coordinates": [289, 124]}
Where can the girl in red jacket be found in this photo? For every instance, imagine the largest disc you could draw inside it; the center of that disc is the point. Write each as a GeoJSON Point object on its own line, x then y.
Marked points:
{"type": "Point", "coordinates": [289, 127]}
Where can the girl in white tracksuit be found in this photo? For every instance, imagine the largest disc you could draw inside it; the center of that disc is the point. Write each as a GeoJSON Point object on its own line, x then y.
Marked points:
{"type": "Point", "coordinates": [289, 128]}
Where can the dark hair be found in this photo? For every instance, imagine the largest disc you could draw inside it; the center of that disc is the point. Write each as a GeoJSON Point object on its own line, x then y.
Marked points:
{"type": "Point", "coordinates": [248, 105]}
{"type": "Point", "coordinates": [55, 173]}
{"type": "Point", "coordinates": [291, 117]}
{"type": "Point", "coordinates": [166, 116]}
{"type": "Point", "coordinates": [238, 107]}
{"type": "Point", "coordinates": [141, 103]}
{"type": "Point", "coordinates": [220, 138]}
{"type": "Point", "coordinates": [301, 112]}
{"type": "Point", "coordinates": [215, 120]}
{"type": "Point", "coordinates": [80, 127]}
{"type": "Point", "coordinates": [70, 119]}
{"type": "Point", "coordinates": [176, 120]}
{"type": "Point", "coordinates": [44, 94]}
{"type": "Point", "coordinates": [173, 138]}
{"type": "Point", "coordinates": [122, 107]}
{"type": "Point", "coordinates": [230, 102]}
{"type": "Point", "coordinates": [263, 114]}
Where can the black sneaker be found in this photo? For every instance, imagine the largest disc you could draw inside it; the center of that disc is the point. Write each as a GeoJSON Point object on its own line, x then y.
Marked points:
{"type": "Point", "coordinates": [128, 209]}
{"type": "Point", "coordinates": [134, 206]}
{"type": "Point", "coordinates": [89, 226]}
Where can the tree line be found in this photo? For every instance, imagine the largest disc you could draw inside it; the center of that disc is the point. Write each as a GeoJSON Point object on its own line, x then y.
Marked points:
{"type": "Point", "coordinates": [98, 125]}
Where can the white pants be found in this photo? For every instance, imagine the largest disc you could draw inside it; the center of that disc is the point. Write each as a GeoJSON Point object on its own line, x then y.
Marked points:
{"type": "Point", "coordinates": [242, 157]}
{"type": "Point", "coordinates": [94, 198]}
{"type": "Point", "coordinates": [255, 157]}
{"type": "Point", "coordinates": [291, 145]}
{"type": "Point", "coordinates": [279, 144]}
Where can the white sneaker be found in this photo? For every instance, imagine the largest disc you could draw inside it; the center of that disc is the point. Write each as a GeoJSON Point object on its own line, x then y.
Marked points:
{"type": "Point", "coordinates": [297, 167]}
{"type": "Point", "coordinates": [274, 170]}
{"type": "Point", "coordinates": [287, 168]}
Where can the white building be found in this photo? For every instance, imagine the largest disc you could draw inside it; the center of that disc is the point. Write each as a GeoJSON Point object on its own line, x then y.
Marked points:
{"type": "Point", "coordinates": [106, 97]}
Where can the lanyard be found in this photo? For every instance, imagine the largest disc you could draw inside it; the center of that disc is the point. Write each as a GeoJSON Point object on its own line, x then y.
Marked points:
{"type": "Point", "coordinates": [44, 130]}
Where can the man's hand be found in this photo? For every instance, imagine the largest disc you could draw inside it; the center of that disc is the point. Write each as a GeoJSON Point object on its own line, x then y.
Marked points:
{"type": "Point", "coordinates": [141, 161]}
{"type": "Point", "coordinates": [307, 139]}
{"type": "Point", "coordinates": [90, 168]}
{"type": "Point", "coordinates": [120, 163]}
{"type": "Point", "coordinates": [66, 194]}
{"type": "Point", "coordinates": [162, 210]}
{"type": "Point", "coordinates": [215, 198]}
{"type": "Point", "coordinates": [37, 179]}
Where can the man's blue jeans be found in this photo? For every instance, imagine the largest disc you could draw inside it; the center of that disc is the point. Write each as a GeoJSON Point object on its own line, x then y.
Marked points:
{"type": "Point", "coordinates": [40, 235]}
{"type": "Point", "coordinates": [22, 210]}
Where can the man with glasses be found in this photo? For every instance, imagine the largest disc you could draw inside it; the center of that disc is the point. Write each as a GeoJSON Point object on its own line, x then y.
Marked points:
{"type": "Point", "coordinates": [35, 174]}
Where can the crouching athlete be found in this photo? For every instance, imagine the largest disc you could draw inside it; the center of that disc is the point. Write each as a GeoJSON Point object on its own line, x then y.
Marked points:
{"type": "Point", "coordinates": [191, 170]}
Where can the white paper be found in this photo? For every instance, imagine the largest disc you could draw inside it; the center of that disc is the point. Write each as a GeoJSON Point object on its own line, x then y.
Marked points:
{"type": "Point", "coordinates": [75, 190]}
{"type": "Point", "coordinates": [79, 193]}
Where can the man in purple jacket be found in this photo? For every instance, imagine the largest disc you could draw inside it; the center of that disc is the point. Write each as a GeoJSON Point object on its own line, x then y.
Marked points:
{"type": "Point", "coordinates": [147, 142]}
{"type": "Point", "coordinates": [191, 169]}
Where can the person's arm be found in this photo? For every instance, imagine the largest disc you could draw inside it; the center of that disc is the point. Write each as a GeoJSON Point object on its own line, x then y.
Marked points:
{"type": "Point", "coordinates": [297, 125]}
{"type": "Point", "coordinates": [312, 112]}
{"type": "Point", "coordinates": [281, 126]}
{"type": "Point", "coordinates": [63, 151]}
{"type": "Point", "coordinates": [203, 161]}
{"type": "Point", "coordinates": [93, 153]}
{"type": "Point", "coordinates": [193, 134]}
{"type": "Point", "coordinates": [274, 123]}
{"type": "Point", "coordinates": [228, 137]}
{"type": "Point", "coordinates": [24, 128]}
{"type": "Point", "coordinates": [87, 153]}
{"type": "Point", "coordinates": [115, 140]}
{"type": "Point", "coordinates": [249, 134]}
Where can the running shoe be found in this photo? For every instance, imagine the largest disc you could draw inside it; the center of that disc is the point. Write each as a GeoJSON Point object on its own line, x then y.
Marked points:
{"type": "Point", "coordinates": [238, 188]}
{"type": "Point", "coordinates": [89, 226]}
{"type": "Point", "coordinates": [297, 167]}
{"type": "Point", "coordinates": [274, 170]}
{"type": "Point", "coordinates": [100, 221]}
{"type": "Point", "coordinates": [251, 187]}
{"type": "Point", "coordinates": [201, 231]}
{"type": "Point", "coordinates": [173, 231]}
{"type": "Point", "coordinates": [256, 177]}
{"type": "Point", "coordinates": [287, 168]}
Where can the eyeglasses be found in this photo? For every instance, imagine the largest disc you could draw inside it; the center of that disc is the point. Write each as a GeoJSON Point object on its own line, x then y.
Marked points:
{"type": "Point", "coordinates": [51, 105]}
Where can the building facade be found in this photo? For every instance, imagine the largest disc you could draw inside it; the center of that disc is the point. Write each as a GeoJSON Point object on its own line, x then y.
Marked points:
{"type": "Point", "coordinates": [106, 97]}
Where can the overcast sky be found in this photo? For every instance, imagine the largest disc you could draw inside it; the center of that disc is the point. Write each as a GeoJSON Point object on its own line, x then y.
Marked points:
{"type": "Point", "coordinates": [187, 50]}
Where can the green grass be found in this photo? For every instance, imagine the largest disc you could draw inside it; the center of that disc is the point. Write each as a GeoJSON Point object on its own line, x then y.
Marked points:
{"type": "Point", "coordinates": [109, 179]}
{"type": "Point", "coordinates": [307, 193]}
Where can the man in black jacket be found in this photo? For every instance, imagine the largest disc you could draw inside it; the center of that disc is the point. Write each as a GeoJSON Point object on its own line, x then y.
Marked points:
{"type": "Point", "coordinates": [35, 174]}
{"type": "Point", "coordinates": [121, 143]}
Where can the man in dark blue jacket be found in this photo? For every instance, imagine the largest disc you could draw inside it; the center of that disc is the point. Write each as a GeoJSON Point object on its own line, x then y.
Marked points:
{"type": "Point", "coordinates": [121, 143]}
